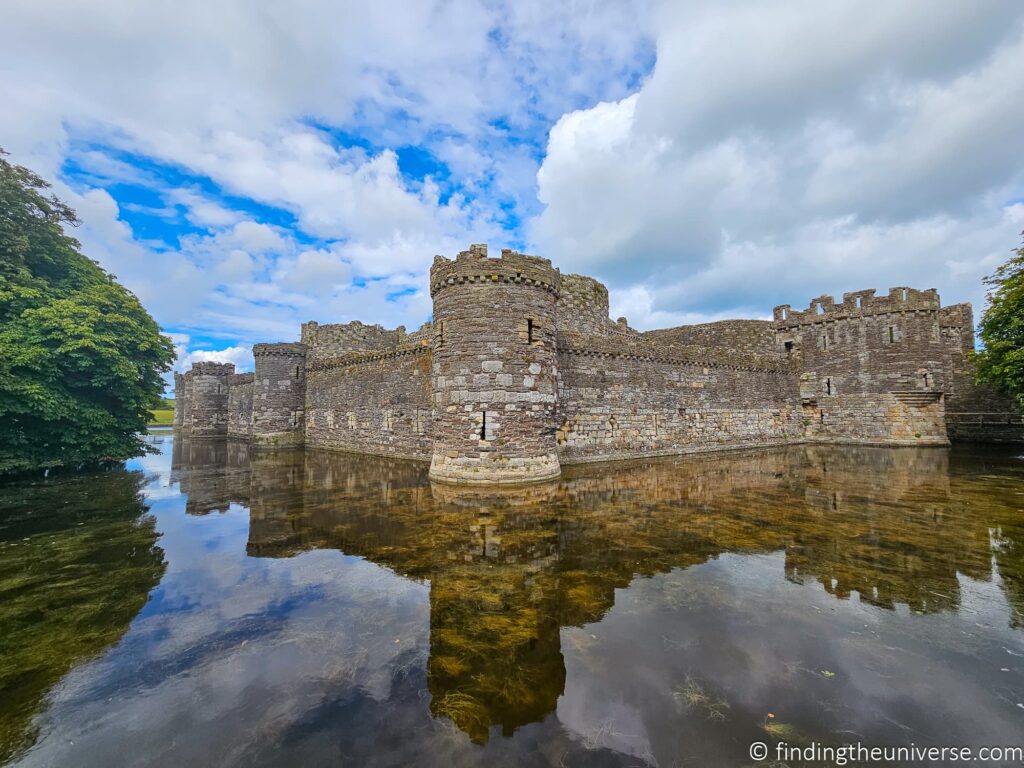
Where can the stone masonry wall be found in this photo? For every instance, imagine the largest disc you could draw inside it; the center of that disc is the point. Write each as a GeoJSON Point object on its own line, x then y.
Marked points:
{"type": "Point", "coordinates": [974, 412]}
{"type": "Point", "coordinates": [331, 341]}
{"type": "Point", "coordinates": [209, 411]}
{"type": "Point", "coordinates": [745, 337]}
{"type": "Point", "coordinates": [583, 306]}
{"type": "Point", "coordinates": [240, 394]}
{"type": "Point", "coordinates": [872, 367]}
{"type": "Point", "coordinates": [372, 403]}
{"type": "Point", "coordinates": [180, 396]}
{"type": "Point", "coordinates": [627, 405]}
{"type": "Point", "coordinates": [494, 368]}
{"type": "Point", "coordinates": [279, 394]}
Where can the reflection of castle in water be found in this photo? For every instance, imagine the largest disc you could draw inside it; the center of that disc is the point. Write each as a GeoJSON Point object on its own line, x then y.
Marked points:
{"type": "Point", "coordinates": [509, 568]}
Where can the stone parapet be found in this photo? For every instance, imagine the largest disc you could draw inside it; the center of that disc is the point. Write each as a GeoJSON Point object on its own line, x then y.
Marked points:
{"type": "Point", "coordinates": [857, 304]}
{"type": "Point", "coordinates": [474, 267]}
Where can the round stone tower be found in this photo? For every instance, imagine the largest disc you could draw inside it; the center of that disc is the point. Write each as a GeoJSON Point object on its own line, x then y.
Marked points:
{"type": "Point", "coordinates": [279, 394]}
{"type": "Point", "coordinates": [209, 406]}
{"type": "Point", "coordinates": [494, 374]}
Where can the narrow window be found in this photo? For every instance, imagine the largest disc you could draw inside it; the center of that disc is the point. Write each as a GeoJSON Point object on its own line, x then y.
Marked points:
{"type": "Point", "coordinates": [824, 341]}
{"type": "Point", "coordinates": [440, 332]}
{"type": "Point", "coordinates": [789, 346]}
{"type": "Point", "coordinates": [785, 314]}
{"type": "Point", "coordinates": [819, 310]}
{"type": "Point", "coordinates": [529, 330]}
{"type": "Point", "coordinates": [903, 294]}
{"type": "Point", "coordinates": [892, 334]}
{"type": "Point", "coordinates": [927, 381]}
{"type": "Point", "coordinates": [296, 373]}
{"type": "Point", "coordinates": [828, 386]}
{"type": "Point", "coordinates": [860, 302]}
{"type": "Point", "coordinates": [483, 425]}
{"type": "Point", "coordinates": [821, 416]}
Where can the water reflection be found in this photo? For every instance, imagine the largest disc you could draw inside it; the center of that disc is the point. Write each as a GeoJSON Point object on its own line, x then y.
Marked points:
{"type": "Point", "coordinates": [508, 570]}
{"type": "Point", "coordinates": [78, 558]}
{"type": "Point", "coordinates": [326, 609]}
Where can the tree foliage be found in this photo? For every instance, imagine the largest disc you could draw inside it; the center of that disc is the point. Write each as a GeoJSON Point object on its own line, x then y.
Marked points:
{"type": "Point", "coordinates": [80, 359]}
{"type": "Point", "coordinates": [1001, 363]}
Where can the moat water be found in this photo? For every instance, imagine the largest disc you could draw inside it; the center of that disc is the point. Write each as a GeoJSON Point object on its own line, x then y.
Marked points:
{"type": "Point", "coordinates": [209, 606]}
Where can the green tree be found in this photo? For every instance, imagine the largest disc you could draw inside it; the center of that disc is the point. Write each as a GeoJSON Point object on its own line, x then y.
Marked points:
{"type": "Point", "coordinates": [80, 359]}
{"type": "Point", "coordinates": [1001, 362]}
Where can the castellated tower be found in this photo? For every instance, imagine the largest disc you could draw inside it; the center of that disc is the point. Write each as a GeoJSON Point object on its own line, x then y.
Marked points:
{"type": "Point", "coordinates": [279, 394]}
{"type": "Point", "coordinates": [872, 368]}
{"type": "Point", "coordinates": [494, 374]}
{"type": "Point", "coordinates": [208, 415]}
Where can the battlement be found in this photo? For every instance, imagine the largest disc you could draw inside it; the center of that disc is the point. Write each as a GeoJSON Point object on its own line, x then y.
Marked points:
{"type": "Point", "coordinates": [474, 266]}
{"type": "Point", "coordinates": [207, 368]}
{"type": "Point", "coordinates": [859, 303]}
{"type": "Point", "coordinates": [240, 379]}
{"type": "Point", "coordinates": [281, 349]}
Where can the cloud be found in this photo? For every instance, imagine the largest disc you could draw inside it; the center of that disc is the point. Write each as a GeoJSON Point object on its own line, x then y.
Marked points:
{"type": "Point", "coordinates": [240, 356]}
{"type": "Point", "coordinates": [243, 169]}
{"type": "Point", "coordinates": [819, 148]}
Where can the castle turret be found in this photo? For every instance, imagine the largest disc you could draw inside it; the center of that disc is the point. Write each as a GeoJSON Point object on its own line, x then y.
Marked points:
{"type": "Point", "coordinates": [209, 403]}
{"type": "Point", "coordinates": [279, 394]}
{"type": "Point", "coordinates": [494, 368]}
{"type": "Point", "coordinates": [872, 367]}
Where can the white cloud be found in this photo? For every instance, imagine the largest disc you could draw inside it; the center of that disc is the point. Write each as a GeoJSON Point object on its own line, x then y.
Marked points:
{"type": "Point", "coordinates": [240, 356]}
{"type": "Point", "coordinates": [780, 149]}
{"type": "Point", "coordinates": [249, 97]}
{"type": "Point", "coordinates": [776, 150]}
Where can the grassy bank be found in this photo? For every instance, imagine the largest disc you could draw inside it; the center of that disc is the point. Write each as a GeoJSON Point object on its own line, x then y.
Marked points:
{"type": "Point", "coordinates": [162, 417]}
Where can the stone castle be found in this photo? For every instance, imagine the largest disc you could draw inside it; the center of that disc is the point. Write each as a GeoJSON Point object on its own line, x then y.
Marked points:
{"type": "Point", "coordinates": [522, 371]}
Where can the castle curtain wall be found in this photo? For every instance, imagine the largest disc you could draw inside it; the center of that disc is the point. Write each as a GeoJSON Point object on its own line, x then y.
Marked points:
{"type": "Point", "coordinates": [621, 406]}
{"type": "Point", "coordinates": [377, 402]}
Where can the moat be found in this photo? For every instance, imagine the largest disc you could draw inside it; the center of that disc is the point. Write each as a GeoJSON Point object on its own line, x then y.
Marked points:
{"type": "Point", "coordinates": [215, 605]}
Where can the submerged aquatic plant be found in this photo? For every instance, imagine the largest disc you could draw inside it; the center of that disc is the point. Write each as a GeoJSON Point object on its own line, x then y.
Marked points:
{"type": "Point", "coordinates": [691, 695]}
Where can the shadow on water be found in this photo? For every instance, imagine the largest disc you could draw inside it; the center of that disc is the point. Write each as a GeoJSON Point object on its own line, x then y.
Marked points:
{"type": "Point", "coordinates": [509, 568]}
{"type": "Point", "coordinates": [78, 557]}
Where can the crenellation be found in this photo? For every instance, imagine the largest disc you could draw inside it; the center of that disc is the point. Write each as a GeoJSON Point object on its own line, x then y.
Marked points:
{"type": "Point", "coordinates": [522, 371]}
{"type": "Point", "coordinates": [474, 266]}
{"type": "Point", "coordinates": [858, 304]}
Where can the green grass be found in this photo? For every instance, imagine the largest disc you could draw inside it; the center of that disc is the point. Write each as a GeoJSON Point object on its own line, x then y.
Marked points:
{"type": "Point", "coordinates": [161, 417]}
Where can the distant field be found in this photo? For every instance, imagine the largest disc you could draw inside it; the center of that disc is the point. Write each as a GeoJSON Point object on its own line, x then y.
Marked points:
{"type": "Point", "coordinates": [161, 416]}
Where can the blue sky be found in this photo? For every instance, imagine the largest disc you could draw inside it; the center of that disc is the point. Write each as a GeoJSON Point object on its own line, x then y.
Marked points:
{"type": "Point", "coordinates": [246, 166]}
